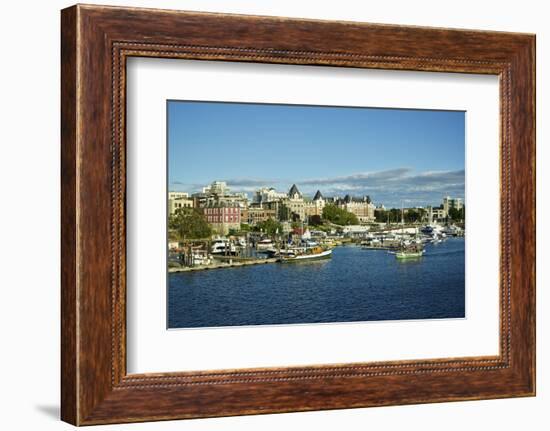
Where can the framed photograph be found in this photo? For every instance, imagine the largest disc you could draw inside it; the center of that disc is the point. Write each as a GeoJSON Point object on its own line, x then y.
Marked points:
{"type": "Point", "coordinates": [265, 215]}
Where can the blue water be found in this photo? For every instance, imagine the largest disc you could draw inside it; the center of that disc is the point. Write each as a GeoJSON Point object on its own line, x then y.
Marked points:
{"type": "Point", "coordinates": [355, 285]}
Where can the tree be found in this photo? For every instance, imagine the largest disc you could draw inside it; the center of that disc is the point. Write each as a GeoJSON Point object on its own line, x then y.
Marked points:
{"type": "Point", "coordinates": [315, 220]}
{"type": "Point", "coordinates": [456, 214]}
{"type": "Point", "coordinates": [189, 223]}
{"type": "Point", "coordinates": [413, 215]}
{"type": "Point", "coordinates": [283, 212]}
{"type": "Point", "coordinates": [339, 216]}
{"type": "Point", "coordinates": [270, 227]}
{"type": "Point", "coordinates": [381, 216]}
{"type": "Point", "coordinates": [395, 215]}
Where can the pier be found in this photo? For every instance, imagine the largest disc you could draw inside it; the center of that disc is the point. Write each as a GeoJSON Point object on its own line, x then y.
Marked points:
{"type": "Point", "coordinates": [224, 262]}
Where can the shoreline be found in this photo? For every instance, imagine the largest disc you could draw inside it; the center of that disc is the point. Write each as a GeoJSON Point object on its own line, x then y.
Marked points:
{"type": "Point", "coordinates": [233, 263]}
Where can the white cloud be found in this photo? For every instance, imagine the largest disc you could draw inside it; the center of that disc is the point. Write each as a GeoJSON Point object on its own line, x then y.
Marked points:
{"type": "Point", "coordinates": [389, 187]}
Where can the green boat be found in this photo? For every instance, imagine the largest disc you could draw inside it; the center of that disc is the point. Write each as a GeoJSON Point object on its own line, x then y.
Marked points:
{"type": "Point", "coordinates": [409, 254]}
{"type": "Point", "coordinates": [411, 251]}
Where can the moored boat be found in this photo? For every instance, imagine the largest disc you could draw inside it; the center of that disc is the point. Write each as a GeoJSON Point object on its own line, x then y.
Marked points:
{"type": "Point", "coordinates": [222, 246]}
{"type": "Point", "coordinates": [264, 245]}
{"type": "Point", "coordinates": [314, 253]}
{"type": "Point", "coordinates": [408, 249]}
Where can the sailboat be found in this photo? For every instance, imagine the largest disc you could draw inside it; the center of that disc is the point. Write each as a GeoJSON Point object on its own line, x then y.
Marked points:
{"type": "Point", "coordinates": [411, 251]}
{"type": "Point", "coordinates": [308, 251]}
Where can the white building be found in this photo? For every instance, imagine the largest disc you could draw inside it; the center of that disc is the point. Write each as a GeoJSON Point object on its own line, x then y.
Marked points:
{"type": "Point", "coordinates": [363, 208]}
{"type": "Point", "coordinates": [177, 195]}
{"type": "Point", "coordinates": [216, 188]}
{"type": "Point", "coordinates": [178, 200]}
{"type": "Point", "coordinates": [449, 203]}
{"type": "Point", "coordinates": [315, 207]}
{"type": "Point", "coordinates": [268, 194]}
{"type": "Point", "coordinates": [296, 203]}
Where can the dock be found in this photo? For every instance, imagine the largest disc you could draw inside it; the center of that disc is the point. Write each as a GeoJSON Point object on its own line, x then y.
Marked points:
{"type": "Point", "coordinates": [377, 247]}
{"type": "Point", "coordinates": [224, 262]}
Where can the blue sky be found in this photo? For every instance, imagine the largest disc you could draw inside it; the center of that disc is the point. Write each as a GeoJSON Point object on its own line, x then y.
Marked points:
{"type": "Point", "coordinates": [393, 155]}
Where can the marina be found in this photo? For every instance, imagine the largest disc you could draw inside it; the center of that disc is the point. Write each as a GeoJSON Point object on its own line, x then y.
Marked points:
{"type": "Point", "coordinates": [316, 214]}
{"type": "Point", "coordinates": [239, 251]}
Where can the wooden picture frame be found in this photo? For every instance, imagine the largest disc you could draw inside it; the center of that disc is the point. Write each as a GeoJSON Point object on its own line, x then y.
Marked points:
{"type": "Point", "coordinates": [95, 43]}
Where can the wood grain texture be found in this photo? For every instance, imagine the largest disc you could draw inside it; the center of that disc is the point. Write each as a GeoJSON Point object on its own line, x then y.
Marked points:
{"type": "Point", "coordinates": [69, 366]}
{"type": "Point", "coordinates": [96, 41]}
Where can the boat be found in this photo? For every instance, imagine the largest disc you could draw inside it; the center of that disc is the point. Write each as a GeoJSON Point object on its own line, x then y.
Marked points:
{"type": "Point", "coordinates": [241, 241]}
{"type": "Point", "coordinates": [309, 254]}
{"type": "Point", "coordinates": [409, 254]}
{"type": "Point", "coordinates": [223, 247]}
{"type": "Point", "coordinates": [428, 230]}
{"type": "Point", "coordinates": [370, 243]}
{"type": "Point", "coordinates": [452, 230]}
{"type": "Point", "coordinates": [265, 245]}
{"type": "Point", "coordinates": [408, 249]}
{"type": "Point", "coordinates": [200, 257]}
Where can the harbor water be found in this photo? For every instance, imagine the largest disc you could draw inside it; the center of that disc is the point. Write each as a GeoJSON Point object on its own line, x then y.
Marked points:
{"type": "Point", "coordinates": [355, 285]}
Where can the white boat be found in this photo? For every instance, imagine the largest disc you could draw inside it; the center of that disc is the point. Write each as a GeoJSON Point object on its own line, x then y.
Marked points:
{"type": "Point", "coordinates": [200, 257]}
{"type": "Point", "coordinates": [223, 247]}
{"type": "Point", "coordinates": [315, 253]}
{"type": "Point", "coordinates": [371, 242]}
{"type": "Point", "coordinates": [265, 244]}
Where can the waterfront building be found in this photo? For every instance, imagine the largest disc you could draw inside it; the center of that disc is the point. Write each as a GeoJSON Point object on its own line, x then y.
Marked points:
{"type": "Point", "coordinates": [440, 213]}
{"type": "Point", "coordinates": [218, 193]}
{"type": "Point", "coordinates": [295, 203]}
{"type": "Point", "coordinates": [179, 200]}
{"type": "Point", "coordinates": [449, 203]}
{"type": "Point", "coordinates": [268, 194]}
{"type": "Point", "coordinates": [177, 195]}
{"type": "Point", "coordinates": [315, 207]}
{"type": "Point", "coordinates": [355, 231]}
{"type": "Point", "coordinates": [239, 199]}
{"type": "Point", "coordinates": [437, 214]}
{"type": "Point", "coordinates": [363, 207]}
{"type": "Point", "coordinates": [222, 216]}
{"type": "Point", "coordinates": [257, 213]}
{"type": "Point", "coordinates": [216, 188]}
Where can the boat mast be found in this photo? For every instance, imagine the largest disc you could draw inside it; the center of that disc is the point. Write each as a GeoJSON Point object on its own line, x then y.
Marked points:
{"type": "Point", "coordinates": [402, 220]}
{"type": "Point", "coordinates": [402, 226]}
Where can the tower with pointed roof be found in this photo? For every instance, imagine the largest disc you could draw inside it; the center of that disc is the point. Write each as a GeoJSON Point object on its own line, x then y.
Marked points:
{"type": "Point", "coordinates": [315, 207]}
{"type": "Point", "coordinates": [296, 203]}
{"type": "Point", "coordinates": [294, 193]}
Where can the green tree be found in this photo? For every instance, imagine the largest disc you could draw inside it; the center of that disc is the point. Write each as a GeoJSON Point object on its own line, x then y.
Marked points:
{"type": "Point", "coordinates": [395, 215]}
{"type": "Point", "coordinates": [339, 216]}
{"type": "Point", "coordinates": [413, 215]}
{"type": "Point", "coordinates": [381, 216]}
{"type": "Point", "coordinates": [456, 214]}
{"type": "Point", "coordinates": [270, 227]}
{"type": "Point", "coordinates": [283, 212]}
{"type": "Point", "coordinates": [315, 220]}
{"type": "Point", "coordinates": [189, 223]}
